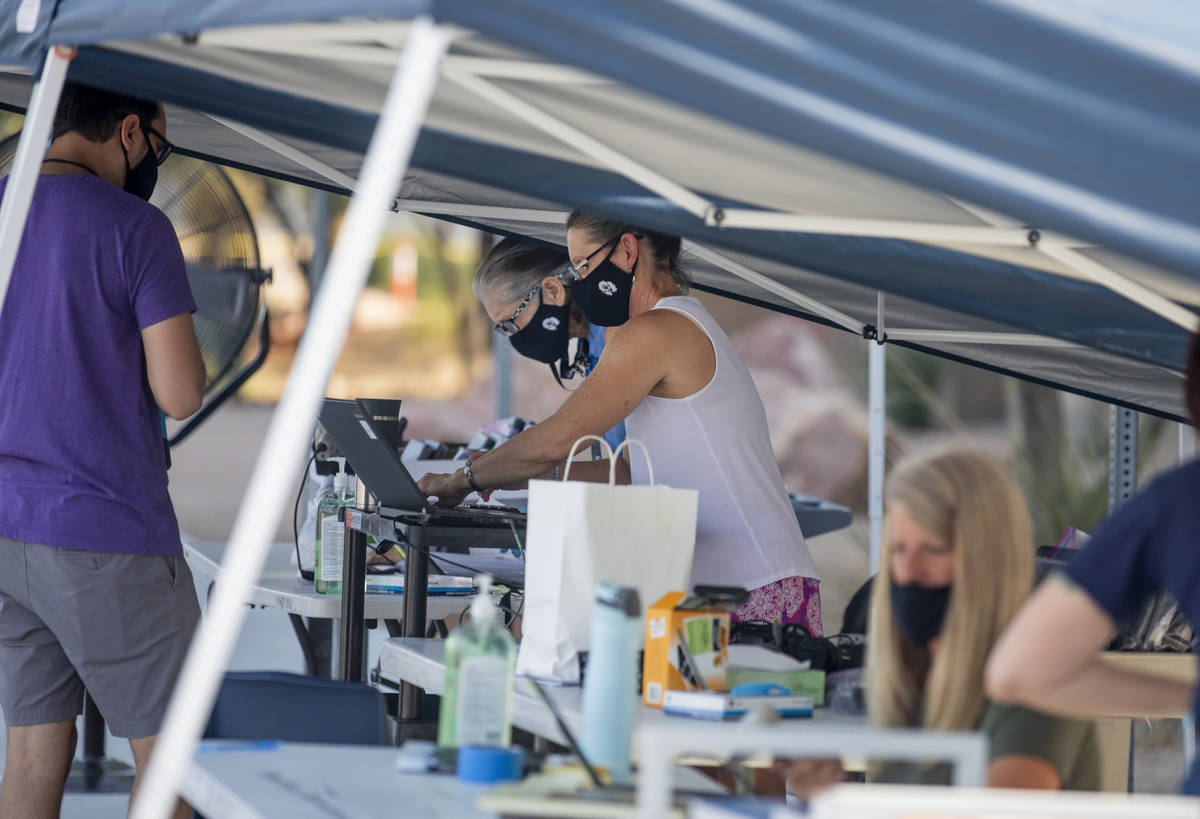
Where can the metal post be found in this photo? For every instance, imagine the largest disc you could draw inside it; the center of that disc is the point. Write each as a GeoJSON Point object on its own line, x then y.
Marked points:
{"type": "Point", "coordinates": [351, 654]}
{"type": "Point", "coordinates": [35, 136]}
{"type": "Point", "coordinates": [286, 444]}
{"type": "Point", "coordinates": [1187, 443]}
{"type": "Point", "coordinates": [320, 232]}
{"type": "Point", "coordinates": [1122, 456]}
{"type": "Point", "coordinates": [877, 433]}
{"type": "Point", "coordinates": [1122, 483]}
{"type": "Point", "coordinates": [416, 581]}
{"type": "Point", "coordinates": [502, 365]}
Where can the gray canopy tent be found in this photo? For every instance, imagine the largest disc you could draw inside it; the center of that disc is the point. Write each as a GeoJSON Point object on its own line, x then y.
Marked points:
{"type": "Point", "coordinates": [799, 148]}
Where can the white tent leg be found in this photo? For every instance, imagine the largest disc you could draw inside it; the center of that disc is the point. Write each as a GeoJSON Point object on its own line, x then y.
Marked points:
{"type": "Point", "coordinates": [877, 436]}
{"type": "Point", "coordinates": [1187, 443]}
{"type": "Point", "coordinates": [284, 449]}
{"type": "Point", "coordinates": [35, 135]}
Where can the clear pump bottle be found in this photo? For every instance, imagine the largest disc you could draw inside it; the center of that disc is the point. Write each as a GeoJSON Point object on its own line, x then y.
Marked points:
{"type": "Point", "coordinates": [331, 533]}
{"type": "Point", "coordinates": [477, 700]}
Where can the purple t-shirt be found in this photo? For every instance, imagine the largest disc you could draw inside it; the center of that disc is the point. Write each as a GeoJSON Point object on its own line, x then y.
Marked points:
{"type": "Point", "coordinates": [81, 450]}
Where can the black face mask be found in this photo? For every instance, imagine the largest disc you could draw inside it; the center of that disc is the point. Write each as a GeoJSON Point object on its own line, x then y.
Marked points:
{"type": "Point", "coordinates": [546, 336]}
{"type": "Point", "coordinates": [603, 295]}
{"type": "Point", "coordinates": [920, 611]}
{"type": "Point", "coordinates": [141, 179]}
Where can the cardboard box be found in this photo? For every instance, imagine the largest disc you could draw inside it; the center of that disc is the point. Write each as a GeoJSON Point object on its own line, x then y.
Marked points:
{"type": "Point", "coordinates": [679, 626]}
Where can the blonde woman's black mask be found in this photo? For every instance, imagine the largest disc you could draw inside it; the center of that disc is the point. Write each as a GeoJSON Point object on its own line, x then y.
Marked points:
{"type": "Point", "coordinates": [920, 611]}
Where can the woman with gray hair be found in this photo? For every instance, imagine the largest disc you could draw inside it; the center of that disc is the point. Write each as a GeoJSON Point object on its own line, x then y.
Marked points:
{"type": "Point", "coordinates": [525, 290]}
{"type": "Point", "coordinates": [673, 374]}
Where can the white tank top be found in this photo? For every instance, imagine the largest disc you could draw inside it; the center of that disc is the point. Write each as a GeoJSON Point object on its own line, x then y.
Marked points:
{"type": "Point", "coordinates": [716, 442]}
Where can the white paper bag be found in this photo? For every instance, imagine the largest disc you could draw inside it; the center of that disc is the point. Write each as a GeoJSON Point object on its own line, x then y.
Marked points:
{"type": "Point", "coordinates": [581, 533]}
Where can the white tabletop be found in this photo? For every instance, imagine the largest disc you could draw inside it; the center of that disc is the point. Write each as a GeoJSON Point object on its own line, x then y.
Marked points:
{"type": "Point", "coordinates": [421, 662]}
{"type": "Point", "coordinates": [280, 587]}
{"type": "Point", "coordinates": [302, 781]}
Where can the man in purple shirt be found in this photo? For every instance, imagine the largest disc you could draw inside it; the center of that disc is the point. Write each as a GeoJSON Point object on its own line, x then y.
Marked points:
{"type": "Point", "coordinates": [95, 336]}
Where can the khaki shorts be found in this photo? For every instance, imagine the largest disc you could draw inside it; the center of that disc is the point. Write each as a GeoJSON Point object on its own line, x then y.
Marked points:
{"type": "Point", "coordinates": [116, 624]}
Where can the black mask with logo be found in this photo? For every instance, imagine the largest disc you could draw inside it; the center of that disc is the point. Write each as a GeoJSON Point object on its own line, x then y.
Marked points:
{"type": "Point", "coordinates": [547, 334]}
{"type": "Point", "coordinates": [603, 294]}
{"type": "Point", "coordinates": [920, 611]}
{"type": "Point", "coordinates": [142, 177]}
{"type": "Point", "coordinates": [547, 338]}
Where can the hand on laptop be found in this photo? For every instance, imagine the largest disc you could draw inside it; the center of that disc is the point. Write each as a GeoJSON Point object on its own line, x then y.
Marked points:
{"type": "Point", "coordinates": [448, 489]}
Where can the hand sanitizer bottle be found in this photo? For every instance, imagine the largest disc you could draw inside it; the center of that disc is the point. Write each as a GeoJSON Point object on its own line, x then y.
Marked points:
{"type": "Point", "coordinates": [610, 696]}
{"type": "Point", "coordinates": [331, 533]}
{"type": "Point", "coordinates": [477, 700]}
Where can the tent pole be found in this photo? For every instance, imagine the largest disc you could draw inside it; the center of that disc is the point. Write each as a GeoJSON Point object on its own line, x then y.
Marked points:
{"type": "Point", "coordinates": [502, 360]}
{"type": "Point", "coordinates": [746, 274]}
{"type": "Point", "coordinates": [972, 337]}
{"type": "Point", "coordinates": [1122, 456]}
{"type": "Point", "coordinates": [35, 135]}
{"type": "Point", "coordinates": [1123, 286]}
{"type": "Point", "coordinates": [430, 208]}
{"type": "Point", "coordinates": [623, 164]}
{"type": "Point", "coordinates": [284, 448]}
{"type": "Point", "coordinates": [1187, 443]}
{"type": "Point", "coordinates": [1122, 484]}
{"type": "Point", "coordinates": [877, 433]}
{"type": "Point", "coordinates": [290, 152]}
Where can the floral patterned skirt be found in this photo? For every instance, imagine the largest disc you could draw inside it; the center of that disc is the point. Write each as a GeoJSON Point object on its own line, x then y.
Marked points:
{"type": "Point", "coordinates": [790, 600]}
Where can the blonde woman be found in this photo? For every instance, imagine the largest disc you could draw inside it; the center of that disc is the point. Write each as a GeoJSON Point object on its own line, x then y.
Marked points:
{"type": "Point", "coordinates": [957, 563]}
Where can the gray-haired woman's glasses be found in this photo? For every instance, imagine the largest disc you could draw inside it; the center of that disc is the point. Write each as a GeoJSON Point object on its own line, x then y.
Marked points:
{"type": "Point", "coordinates": [509, 325]}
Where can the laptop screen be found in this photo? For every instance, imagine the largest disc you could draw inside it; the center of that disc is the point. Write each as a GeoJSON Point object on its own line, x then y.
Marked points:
{"type": "Point", "coordinates": [377, 465]}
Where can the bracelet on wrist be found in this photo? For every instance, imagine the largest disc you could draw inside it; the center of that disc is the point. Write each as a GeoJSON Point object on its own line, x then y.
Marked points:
{"type": "Point", "coordinates": [471, 479]}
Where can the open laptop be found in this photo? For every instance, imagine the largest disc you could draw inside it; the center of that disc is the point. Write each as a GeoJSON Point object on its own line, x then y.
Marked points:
{"type": "Point", "coordinates": [380, 469]}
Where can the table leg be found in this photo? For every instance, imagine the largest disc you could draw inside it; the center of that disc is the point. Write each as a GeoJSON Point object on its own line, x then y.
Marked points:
{"type": "Point", "coordinates": [320, 635]}
{"type": "Point", "coordinates": [416, 582]}
{"type": "Point", "coordinates": [306, 646]}
{"type": "Point", "coordinates": [354, 581]}
{"type": "Point", "coordinates": [95, 773]}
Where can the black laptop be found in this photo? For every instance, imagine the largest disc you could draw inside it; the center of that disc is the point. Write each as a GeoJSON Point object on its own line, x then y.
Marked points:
{"type": "Point", "coordinates": [380, 469]}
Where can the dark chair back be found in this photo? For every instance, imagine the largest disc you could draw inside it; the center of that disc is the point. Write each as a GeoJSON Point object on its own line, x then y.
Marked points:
{"type": "Point", "coordinates": [295, 708]}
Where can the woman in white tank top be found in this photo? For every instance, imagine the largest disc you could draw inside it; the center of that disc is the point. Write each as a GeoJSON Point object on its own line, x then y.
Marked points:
{"type": "Point", "coordinates": [672, 374]}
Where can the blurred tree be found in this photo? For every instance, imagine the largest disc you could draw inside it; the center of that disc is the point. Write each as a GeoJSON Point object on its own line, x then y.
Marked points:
{"type": "Point", "coordinates": [1063, 472]}
{"type": "Point", "coordinates": [470, 322]}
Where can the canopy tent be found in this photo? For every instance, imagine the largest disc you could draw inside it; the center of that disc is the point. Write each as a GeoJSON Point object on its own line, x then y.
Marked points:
{"type": "Point", "coordinates": [805, 150]}
{"type": "Point", "coordinates": [511, 138]}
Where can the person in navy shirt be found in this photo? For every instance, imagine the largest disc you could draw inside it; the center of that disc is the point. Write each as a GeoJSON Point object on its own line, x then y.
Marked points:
{"type": "Point", "coordinates": [1049, 656]}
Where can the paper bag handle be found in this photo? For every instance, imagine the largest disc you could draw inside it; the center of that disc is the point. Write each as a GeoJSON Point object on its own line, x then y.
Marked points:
{"type": "Point", "coordinates": [575, 446]}
{"type": "Point", "coordinates": [612, 470]}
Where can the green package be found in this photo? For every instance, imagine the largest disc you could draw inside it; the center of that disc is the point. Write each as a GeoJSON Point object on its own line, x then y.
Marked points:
{"type": "Point", "coordinates": [810, 682]}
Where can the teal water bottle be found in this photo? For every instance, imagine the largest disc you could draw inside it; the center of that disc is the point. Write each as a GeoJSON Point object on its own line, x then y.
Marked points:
{"type": "Point", "coordinates": [610, 696]}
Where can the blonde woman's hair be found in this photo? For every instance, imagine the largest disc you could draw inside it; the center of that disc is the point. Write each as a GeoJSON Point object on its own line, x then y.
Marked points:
{"type": "Point", "coordinates": [968, 498]}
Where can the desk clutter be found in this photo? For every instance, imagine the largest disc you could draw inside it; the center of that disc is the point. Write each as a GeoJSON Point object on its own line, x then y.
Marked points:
{"type": "Point", "coordinates": [688, 659]}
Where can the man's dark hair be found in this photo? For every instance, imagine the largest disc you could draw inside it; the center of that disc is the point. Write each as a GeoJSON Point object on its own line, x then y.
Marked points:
{"type": "Point", "coordinates": [95, 114]}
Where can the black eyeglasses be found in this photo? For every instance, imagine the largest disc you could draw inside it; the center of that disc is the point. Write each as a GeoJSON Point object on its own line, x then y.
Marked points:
{"type": "Point", "coordinates": [509, 325]}
{"type": "Point", "coordinates": [573, 270]}
{"type": "Point", "coordinates": [164, 150]}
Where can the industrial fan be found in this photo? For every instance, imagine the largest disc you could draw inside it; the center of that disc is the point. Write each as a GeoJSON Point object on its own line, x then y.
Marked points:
{"type": "Point", "coordinates": [221, 252]}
